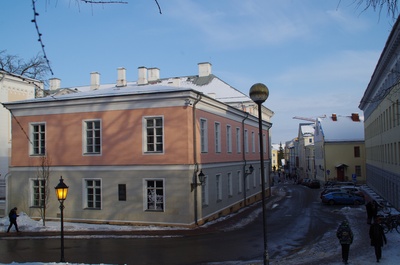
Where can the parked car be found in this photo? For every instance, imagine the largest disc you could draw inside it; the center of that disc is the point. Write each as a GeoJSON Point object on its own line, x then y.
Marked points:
{"type": "Point", "coordinates": [342, 198]}
{"type": "Point", "coordinates": [347, 189]}
{"type": "Point", "coordinates": [314, 184]}
{"type": "Point", "coordinates": [305, 181]}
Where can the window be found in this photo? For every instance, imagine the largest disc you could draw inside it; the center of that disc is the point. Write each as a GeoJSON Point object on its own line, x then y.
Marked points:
{"type": "Point", "coordinates": [155, 195]}
{"type": "Point", "coordinates": [92, 137]}
{"type": "Point", "coordinates": [358, 171]}
{"type": "Point", "coordinates": [230, 185]}
{"type": "Point", "coordinates": [356, 151]}
{"type": "Point", "coordinates": [154, 134]}
{"type": "Point", "coordinates": [239, 177]}
{"type": "Point", "coordinates": [228, 139]}
{"type": "Point", "coordinates": [217, 132]}
{"type": "Point", "coordinates": [122, 192]}
{"type": "Point", "coordinates": [238, 144]}
{"type": "Point", "coordinates": [253, 142]}
{"type": "Point", "coordinates": [38, 134]}
{"type": "Point", "coordinates": [38, 192]}
{"type": "Point", "coordinates": [93, 193]}
{"type": "Point", "coordinates": [218, 185]}
{"type": "Point", "coordinates": [203, 136]}
{"type": "Point", "coordinates": [204, 192]}
{"type": "Point", "coordinates": [246, 141]}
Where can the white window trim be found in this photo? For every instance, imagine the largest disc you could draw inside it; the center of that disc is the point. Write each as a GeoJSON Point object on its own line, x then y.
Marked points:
{"type": "Point", "coordinates": [217, 137]}
{"type": "Point", "coordinates": [238, 140]}
{"type": "Point", "coordinates": [229, 138]}
{"type": "Point", "coordinates": [205, 192]}
{"type": "Point", "coordinates": [218, 180]}
{"type": "Point", "coordinates": [144, 135]}
{"type": "Point", "coordinates": [144, 184]}
{"type": "Point", "coordinates": [205, 138]}
{"type": "Point", "coordinates": [84, 194]}
{"type": "Point", "coordinates": [240, 181]}
{"type": "Point", "coordinates": [84, 139]}
{"type": "Point", "coordinates": [31, 124]}
{"type": "Point", "coordinates": [230, 184]}
{"type": "Point", "coordinates": [32, 193]}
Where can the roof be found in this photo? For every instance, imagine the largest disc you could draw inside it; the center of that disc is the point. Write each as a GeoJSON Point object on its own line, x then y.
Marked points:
{"type": "Point", "coordinates": [344, 129]}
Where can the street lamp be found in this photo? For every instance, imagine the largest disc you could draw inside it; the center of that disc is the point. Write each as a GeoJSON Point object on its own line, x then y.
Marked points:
{"type": "Point", "coordinates": [259, 93]}
{"type": "Point", "coordinates": [202, 180]}
{"type": "Point", "coordinates": [61, 192]}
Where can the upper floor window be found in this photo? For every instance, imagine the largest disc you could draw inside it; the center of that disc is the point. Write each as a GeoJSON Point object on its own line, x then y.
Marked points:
{"type": "Point", "coordinates": [253, 142]}
{"type": "Point", "coordinates": [38, 134]}
{"type": "Point", "coordinates": [203, 135]}
{"type": "Point", "coordinates": [246, 141]}
{"type": "Point", "coordinates": [154, 134]}
{"type": "Point", "coordinates": [92, 137]}
{"type": "Point", "coordinates": [356, 151]}
{"type": "Point", "coordinates": [238, 143]}
{"type": "Point", "coordinates": [217, 135]}
{"type": "Point", "coordinates": [229, 139]}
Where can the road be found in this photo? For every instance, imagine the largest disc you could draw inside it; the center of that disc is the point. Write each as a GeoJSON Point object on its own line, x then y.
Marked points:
{"type": "Point", "coordinates": [295, 220]}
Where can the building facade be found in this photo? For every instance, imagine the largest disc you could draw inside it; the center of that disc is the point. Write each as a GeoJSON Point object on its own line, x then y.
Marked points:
{"type": "Point", "coordinates": [12, 88]}
{"type": "Point", "coordinates": [339, 149]}
{"type": "Point", "coordinates": [132, 152]}
{"type": "Point", "coordinates": [380, 104]}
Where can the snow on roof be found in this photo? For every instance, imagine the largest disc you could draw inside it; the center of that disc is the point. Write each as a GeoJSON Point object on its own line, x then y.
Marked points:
{"type": "Point", "coordinates": [343, 129]}
{"type": "Point", "coordinates": [210, 86]}
{"type": "Point", "coordinates": [307, 129]}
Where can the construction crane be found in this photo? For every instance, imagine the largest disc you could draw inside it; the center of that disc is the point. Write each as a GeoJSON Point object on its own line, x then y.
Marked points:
{"type": "Point", "coordinates": [309, 119]}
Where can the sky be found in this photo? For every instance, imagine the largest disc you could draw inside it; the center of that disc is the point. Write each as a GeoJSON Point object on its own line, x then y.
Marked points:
{"type": "Point", "coordinates": [310, 254]}
{"type": "Point", "coordinates": [316, 57]}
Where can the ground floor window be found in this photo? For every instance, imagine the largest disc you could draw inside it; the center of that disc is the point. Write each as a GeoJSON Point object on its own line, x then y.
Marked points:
{"type": "Point", "coordinates": [93, 193]}
{"type": "Point", "coordinates": [155, 195]}
{"type": "Point", "coordinates": [38, 192]}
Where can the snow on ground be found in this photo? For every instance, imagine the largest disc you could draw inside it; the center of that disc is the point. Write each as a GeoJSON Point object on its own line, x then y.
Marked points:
{"type": "Point", "coordinates": [326, 250]}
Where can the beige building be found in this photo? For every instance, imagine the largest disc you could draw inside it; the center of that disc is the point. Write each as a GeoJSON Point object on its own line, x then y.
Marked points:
{"type": "Point", "coordinates": [12, 88]}
{"type": "Point", "coordinates": [339, 149]}
{"type": "Point", "coordinates": [306, 151]}
{"type": "Point", "coordinates": [381, 107]}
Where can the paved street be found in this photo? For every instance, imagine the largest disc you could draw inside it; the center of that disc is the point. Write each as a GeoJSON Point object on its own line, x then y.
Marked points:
{"type": "Point", "coordinates": [295, 218]}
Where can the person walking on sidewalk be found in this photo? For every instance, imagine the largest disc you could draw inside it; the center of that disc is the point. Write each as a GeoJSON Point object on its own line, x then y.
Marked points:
{"type": "Point", "coordinates": [13, 219]}
{"type": "Point", "coordinates": [377, 237]}
{"type": "Point", "coordinates": [345, 236]}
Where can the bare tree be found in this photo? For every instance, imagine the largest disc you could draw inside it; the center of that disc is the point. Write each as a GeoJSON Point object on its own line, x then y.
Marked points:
{"type": "Point", "coordinates": [41, 186]}
{"type": "Point", "coordinates": [378, 5]}
{"type": "Point", "coordinates": [35, 68]}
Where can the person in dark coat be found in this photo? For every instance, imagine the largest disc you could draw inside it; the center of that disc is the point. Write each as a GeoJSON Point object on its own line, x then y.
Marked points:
{"type": "Point", "coordinates": [377, 237]}
{"type": "Point", "coordinates": [13, 219]}
{"type": "Point", "coordinates": [372, 210]}
{"type": "Point", "coordinates": [345, 236]}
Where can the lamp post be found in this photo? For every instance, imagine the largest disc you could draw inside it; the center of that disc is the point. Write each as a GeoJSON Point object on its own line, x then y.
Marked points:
{"type": "Point", "coordinates": [259, 93]}
{"type": "Point", "coordinates": [61, 192]}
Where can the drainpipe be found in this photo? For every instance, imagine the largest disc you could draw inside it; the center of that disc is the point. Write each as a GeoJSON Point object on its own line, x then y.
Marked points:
{"type": "Point", "coordinates": [245, 161]}
{"type": "Point", "coordinates": [196, 165]}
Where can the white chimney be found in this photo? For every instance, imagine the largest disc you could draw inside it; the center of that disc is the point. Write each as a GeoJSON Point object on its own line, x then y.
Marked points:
{"type": "Point", "coordinates": [121, 81]}
{"type": "Point", "coordinates": [142, 79]}
{"type": "Point", "coordinates": [204, 69]}
{"type": "Point", "coordinates": [55, 83]}
{"type": "Point", "coordinates": [94, 80]}
{"type": "Point", "coordinates": [175, 81]}
{"type": "Point", "coordinates": [153, 74]}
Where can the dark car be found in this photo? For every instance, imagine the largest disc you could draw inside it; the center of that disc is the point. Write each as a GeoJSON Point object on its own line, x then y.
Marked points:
{"type": "Point", "coordinates": [314, 184]}
{"type": "Point", "coordinates": [342, 198]}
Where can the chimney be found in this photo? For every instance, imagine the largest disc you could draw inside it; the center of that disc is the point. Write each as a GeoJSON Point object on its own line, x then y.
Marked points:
{"type": "Point", "coordinates": [55, 83]}
{"type": "Point", "coordinates": [355, 117]}
{"type": "Point", "coordinates": [175, 81]}
{"type": "Point", "coordinates": [121, 81]}
{"type": "Point", "coordinates": [94, 81]}
{"type": "Point", "coordinates": [142, 76]}
{"type": "Point", "coordinates": [334, 117]}
{"type": "Point", "coordinates": [204, 69]}
{"type": "Point", "coordinates": [153, 74]}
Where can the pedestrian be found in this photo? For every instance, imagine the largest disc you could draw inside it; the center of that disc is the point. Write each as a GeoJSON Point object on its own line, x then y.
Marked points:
{"type": "Point", "coordinates": [377, 237]}
{"type": "Point", "coordinates": [372, 211]}
{"type": "Point", "coordinates": [13, 219]}
{"type": "Point", "coordinates": [345, 236]}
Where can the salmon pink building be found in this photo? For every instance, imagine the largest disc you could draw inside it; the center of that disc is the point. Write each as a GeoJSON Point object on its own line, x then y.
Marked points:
{"type": "Point", "coordinates": [132, 152]}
